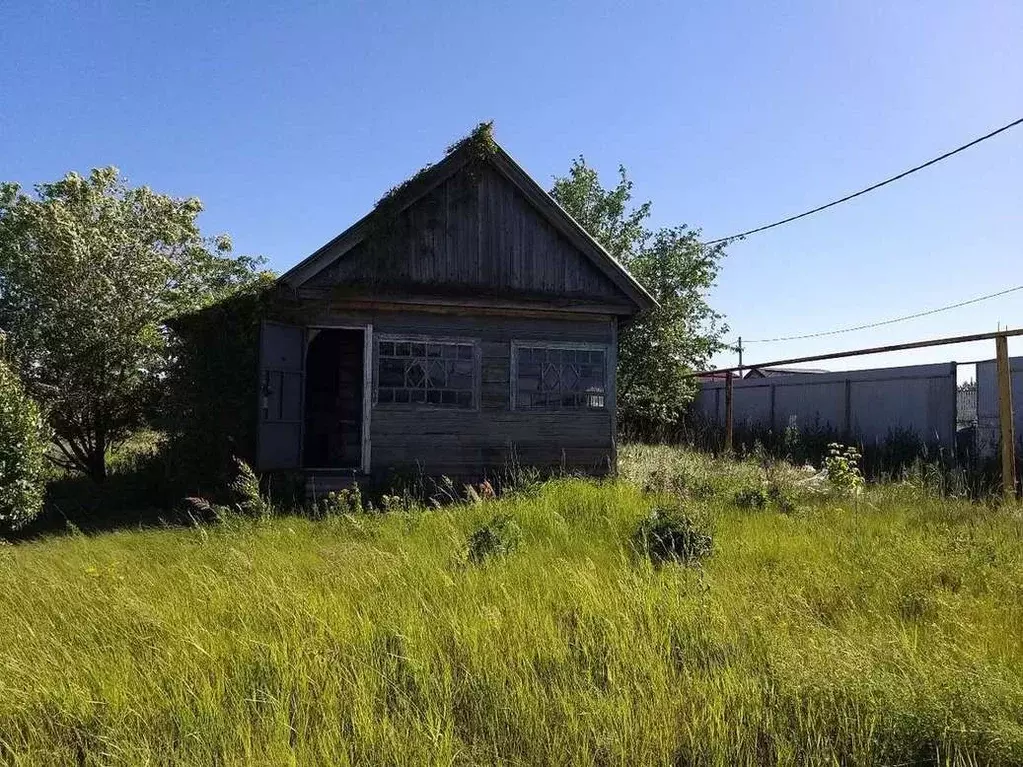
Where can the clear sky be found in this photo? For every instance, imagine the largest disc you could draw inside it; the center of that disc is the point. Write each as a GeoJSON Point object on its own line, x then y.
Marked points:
{"type": "Point", "coordinates": [289, 124]}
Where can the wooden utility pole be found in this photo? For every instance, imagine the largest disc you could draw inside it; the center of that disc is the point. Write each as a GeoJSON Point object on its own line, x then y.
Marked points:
{"type": "Point", "coordinates": [1008, 431]}
{"type": "Point", "coordinates": [728, 411]}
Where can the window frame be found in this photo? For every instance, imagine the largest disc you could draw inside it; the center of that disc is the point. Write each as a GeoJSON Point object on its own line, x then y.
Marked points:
{"type": "Point", "coordinates": [564, 345]}
{"type": "Point", "coordinates": [419, 338]}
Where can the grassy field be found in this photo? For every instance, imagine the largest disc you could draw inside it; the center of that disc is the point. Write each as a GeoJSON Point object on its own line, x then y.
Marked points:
{"type": "Point", "coordinates": [885, 628]}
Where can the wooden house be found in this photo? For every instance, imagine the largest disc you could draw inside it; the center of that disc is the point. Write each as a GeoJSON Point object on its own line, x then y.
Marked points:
{"type": "Point", "coordinates": [468, 323]}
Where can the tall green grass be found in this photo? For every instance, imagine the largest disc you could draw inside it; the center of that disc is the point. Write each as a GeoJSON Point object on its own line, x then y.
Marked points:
{"type": "Point", "coordinates": [882, 629]}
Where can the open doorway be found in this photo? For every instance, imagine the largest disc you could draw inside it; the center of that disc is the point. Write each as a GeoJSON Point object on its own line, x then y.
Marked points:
{"type": "Point", "coordinates": [334, 395]}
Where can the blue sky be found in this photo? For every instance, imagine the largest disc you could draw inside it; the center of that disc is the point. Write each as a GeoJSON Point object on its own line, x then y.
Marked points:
{"type": "Point", "coordinates": [289, 124]}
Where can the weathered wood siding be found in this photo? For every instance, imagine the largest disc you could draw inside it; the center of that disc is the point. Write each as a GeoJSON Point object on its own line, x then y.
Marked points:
{"type": "Point", "coordinates": [489, 438]}
{"type": "Point", "coordinates": [474, 232]}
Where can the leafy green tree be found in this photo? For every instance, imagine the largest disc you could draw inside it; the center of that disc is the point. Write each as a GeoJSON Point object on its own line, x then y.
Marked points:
{"type": "Point", "coordinates": [22, 451]}
{"type": "Point", "coordinates": [90, 270]}
{"type": "Point", "coordinates": [658, 348]}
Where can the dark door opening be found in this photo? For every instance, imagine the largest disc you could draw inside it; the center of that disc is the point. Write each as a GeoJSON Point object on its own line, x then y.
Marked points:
{"type": "Point", "coordinates": [333, 400]}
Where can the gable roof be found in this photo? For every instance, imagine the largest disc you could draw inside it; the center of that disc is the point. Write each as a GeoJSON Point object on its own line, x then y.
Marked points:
{"type": "Point", "coordinates": [428, 179]}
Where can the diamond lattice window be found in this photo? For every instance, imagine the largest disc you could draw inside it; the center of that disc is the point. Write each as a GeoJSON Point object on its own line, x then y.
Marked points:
{"type": "Point", "coordinates": [560, 379]}
{"type": "Point", "coordinates": [425, 372]}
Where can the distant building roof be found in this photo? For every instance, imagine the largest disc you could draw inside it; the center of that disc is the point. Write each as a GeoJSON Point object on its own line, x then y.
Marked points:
{"type": "Point", "coordinates": [773, 372]}
{"type": "Point", "coordinates": [712, 377]}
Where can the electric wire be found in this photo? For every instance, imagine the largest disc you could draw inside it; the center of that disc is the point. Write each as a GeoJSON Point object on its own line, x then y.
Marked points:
{"type": "Point", "coordinates": [870, 188]}
{"type": "Point", "coordinates": [891, 321]}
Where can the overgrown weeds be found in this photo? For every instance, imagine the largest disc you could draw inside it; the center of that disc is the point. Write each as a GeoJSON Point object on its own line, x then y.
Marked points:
{"type": "Point", "coordinates": [880, 629]}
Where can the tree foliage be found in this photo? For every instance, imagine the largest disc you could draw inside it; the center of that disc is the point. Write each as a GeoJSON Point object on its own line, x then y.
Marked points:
{"type": "Point", "coordinates": [90, 271]}
{"type": "Point", "coordinates": [22, 451]}
{"type": "Point", "coordinates": [655, 349]}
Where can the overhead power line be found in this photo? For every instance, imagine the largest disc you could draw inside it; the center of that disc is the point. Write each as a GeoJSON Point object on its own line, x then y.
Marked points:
{"type": "Point", "coordinates": [888, 322]}
{"type": "Point", "coordinates": [871, 188]}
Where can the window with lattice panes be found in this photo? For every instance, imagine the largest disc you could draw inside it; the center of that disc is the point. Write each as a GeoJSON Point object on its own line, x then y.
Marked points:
{"type": "Point", "coordinates": [560, 378]}
{"type": "Point", "coordinates": [422, 372]}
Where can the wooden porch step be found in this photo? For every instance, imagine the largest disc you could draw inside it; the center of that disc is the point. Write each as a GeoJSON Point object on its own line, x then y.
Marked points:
{"type": "Point", "coordinates": [317, 485]}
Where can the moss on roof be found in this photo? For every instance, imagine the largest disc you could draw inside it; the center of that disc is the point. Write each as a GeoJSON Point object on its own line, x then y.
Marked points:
{"type": "Point", "coordinates": [480, 146]}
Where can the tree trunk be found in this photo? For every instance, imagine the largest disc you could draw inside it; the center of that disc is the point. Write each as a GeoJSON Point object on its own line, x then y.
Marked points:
{"type": "Point", "coordinates": [98, 468]}
{"type": "Point", "coordinates": [98, 455]}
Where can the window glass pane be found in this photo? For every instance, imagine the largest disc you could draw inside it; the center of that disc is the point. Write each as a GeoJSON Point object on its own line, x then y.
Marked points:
{"type": "Point", "coordinates": [401, 395]}
{"type": "Point", "coordinates": [385, 395]}
{"type": "Point", "coordinates": [448, 397]}
{"type": "Point", "coordinates": [529, 383]}
{"type": "Point", "coordinates": [433, 396]}
{"type": "Point", "coordinates": [417, 395]}
{"type": "Point", "coordinates": [415, 375]}
{"type": "Point", "coordinates": [465, 352]}
{"type": "Point", "coordinates": [392, 372]}
{"type": "Point", "coordinates": [433, 350]}
{"type": "Point", "coordinates": [464, 399]}
{"type": "Point", "coordinates": [387, 347]}
{"type": "Point", "coordinates": [569, 378]}
{"type": "Point", "coordinates": [460, 375]}
{"type": "Point", "coordinates": [418, 350]}
{"type": "Point", "coordinates": [401, 349]}
{"type": "Point", "coordinates": [438, 377]}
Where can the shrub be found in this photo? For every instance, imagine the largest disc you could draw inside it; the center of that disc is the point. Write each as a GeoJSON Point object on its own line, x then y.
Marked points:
{"type": "Point", "coordinates": [245, 495]}
{"type": "Point", "coordinates": [781, 496]}
{"type": "Point", "coordinates": [245, 489]}
{"type": "Point", "coordinates": [668, 535]}
{"type": "Point", "coordinates": [842, 467]}
{"type": "Point", "coordinates": [22, 453]}
{"type": "Point", "coordinates": [498, 537]}
{"type": "Point", "coordinates": [345, 501]}
{"type": "Point", "coordinates": [750, 498]}
{"type": "Point", "coordinates": [897, 454]}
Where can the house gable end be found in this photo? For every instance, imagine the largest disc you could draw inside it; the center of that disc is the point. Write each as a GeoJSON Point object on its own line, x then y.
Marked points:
{"type": "Point", "coordinates": [474, 230]}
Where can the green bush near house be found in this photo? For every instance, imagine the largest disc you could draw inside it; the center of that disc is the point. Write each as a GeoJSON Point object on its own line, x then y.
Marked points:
{"type": "Point", "coordinates": [22, 453]}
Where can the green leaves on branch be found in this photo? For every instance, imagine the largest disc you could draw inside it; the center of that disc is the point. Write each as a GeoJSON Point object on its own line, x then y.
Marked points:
{"type": "Point", "coordinates": [656, 349]}
{"type": "Point", "coordinates": [90, 271]}
{"type": "Point", "coordinates": [22, 452]}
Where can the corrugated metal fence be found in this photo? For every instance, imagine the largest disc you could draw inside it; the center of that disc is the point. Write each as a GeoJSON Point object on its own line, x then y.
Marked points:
{"type": "Point", "coordinates": [866, 405]}
{"type": "Point", "coordinates": [987, 403]}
